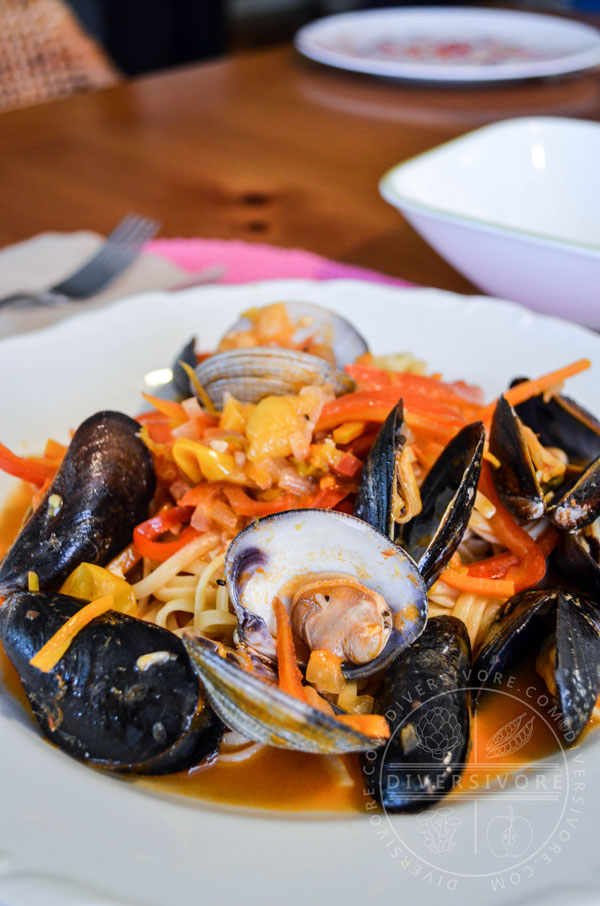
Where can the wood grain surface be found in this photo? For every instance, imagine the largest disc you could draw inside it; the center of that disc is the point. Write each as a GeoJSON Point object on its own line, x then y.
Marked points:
{"type": "Point", "coordinates": [262, 146]}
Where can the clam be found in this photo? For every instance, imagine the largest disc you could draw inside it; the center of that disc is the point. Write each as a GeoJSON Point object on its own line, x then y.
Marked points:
{"type": "Point", "coordinates": [315, 327]}
{"type": "Point", "coordinates": [124, 696]}
{"type": "Point", "coordinates": [425, 698]}
{"type": "Point", "coordinates": [247, 702]}
{"type": "Point", "coordinates": [99, 494]}
{"type": "Point", "coordinates": [345, 586]}
{"type": "Point", "coordinates": [321, 344]}
{"type": "Point", "coordinates": [251, 374]}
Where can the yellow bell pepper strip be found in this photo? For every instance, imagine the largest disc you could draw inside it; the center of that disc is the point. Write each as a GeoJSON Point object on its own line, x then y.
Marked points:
{"type": "Point", "coordinates": [90, 582]}
{"type": "Point", "coordinates": [144, 535]}
{"type": "Point", "coordinates": [50, 654]}
{"type": "Point", "coordinates": [199, 461]}
{"type": "Point", "coordinates": [348, 432]}
{"type": "Point", "coordinates": [35, 472]}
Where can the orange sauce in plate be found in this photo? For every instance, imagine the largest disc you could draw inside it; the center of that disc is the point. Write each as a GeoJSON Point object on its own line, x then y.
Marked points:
{"type": "Point", "coordinates": [291, 781]}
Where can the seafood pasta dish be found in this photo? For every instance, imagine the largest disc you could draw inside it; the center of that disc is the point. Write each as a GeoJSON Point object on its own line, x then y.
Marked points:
{"type": "Point", "coordinates": [302, 567]}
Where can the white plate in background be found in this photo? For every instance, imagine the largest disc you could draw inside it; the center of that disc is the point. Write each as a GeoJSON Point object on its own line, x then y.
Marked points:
{"type": "Point", "coordinates": [515, 207]}
{"type": "Point", "coordinates": [70, 836]}
{"type": "Point", "coordinates": [451, 44]}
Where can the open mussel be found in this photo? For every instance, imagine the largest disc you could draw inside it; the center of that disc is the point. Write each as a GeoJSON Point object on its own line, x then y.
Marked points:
{"type": "Point", "coordinates": [100, 493]}
{"type": "Point", "coordinates": [561, 422]}
{"type": "Point", "coordinates": [532, 481]}
{"type": "Point", "coordinates": [124, 696]}
{"type": "Point", "coordinates": [425, 698]}
{"type": "Point", "coordinates": [345, 586]}
{"type": "Point", "coordinates": [523, 625]}
{"type": "Point", "coordinates": [260, 711]}
{"type": "Point", "coordinates": [431, 532]}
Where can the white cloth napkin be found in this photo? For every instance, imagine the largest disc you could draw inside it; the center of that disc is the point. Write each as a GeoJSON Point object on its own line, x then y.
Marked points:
{"type": "Point", "coordinates": [50, 257]}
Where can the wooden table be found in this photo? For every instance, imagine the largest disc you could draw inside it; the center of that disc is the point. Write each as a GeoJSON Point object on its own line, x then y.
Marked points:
{"type": "Point", "coordinates": [264, 146]}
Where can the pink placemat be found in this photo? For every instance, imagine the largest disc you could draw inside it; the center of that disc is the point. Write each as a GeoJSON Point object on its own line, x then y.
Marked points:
{"type": "Point", "coordinates": [246, 262]}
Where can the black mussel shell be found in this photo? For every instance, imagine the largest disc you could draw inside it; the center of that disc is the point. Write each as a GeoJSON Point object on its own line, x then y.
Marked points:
{"type": "Point", "coordinates": [519, 628]}
{"type": "Point", "coordinates": [181, 380]}
{"type": "Point", "coordinates": [561, 422]}
{"type": "Point", "coordinates": [425, 698]}
{"type": "Point", "coordinates": [448, 497]}
{"type": "Point", "coordinates": [577, 664]}
{"type": "Point", "coordinates": [99, 703]}
{"type": "Point", "coordinates": [100, 493]}
{"type": "Point", "coordinates": [375, 496]}
{"type": "Point", "coordinates": [515, 479]}
{"type": "Point", "coordinates": [579, 504]}
{"type": "Point", "coordinates": [577, 559]}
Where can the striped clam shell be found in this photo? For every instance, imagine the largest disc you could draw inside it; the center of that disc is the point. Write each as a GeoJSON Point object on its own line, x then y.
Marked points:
{"type": "Point", "coordinates": [251, 374]}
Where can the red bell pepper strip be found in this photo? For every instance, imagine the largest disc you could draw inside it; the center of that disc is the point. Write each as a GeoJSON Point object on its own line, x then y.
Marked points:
{"type": "Point", "coordinates": [531, 565]}
{"type": "Point", "coordinates": [144, 535]}
{"type": "Point", "coordinates": [26, 469]}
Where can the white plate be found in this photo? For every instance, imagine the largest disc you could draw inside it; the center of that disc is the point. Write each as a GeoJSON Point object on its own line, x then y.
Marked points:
{"type": "Point", "coordinates": [514, 207]}
{"type": "Point", "coordinates": [455, 44]}
{"type": "Point", "coordinates": [72, 837]}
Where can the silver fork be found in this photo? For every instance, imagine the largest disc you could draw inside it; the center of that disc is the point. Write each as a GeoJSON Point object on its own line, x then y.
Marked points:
{"type": "Point", "coordinates": [114, 256]}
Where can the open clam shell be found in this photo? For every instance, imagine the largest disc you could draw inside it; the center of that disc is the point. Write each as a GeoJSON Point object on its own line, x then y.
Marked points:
{"type": "Point", "coordinates": [260, 711]}
{"type": "Point", "coordinates": [322, 326]}
{"type": "Point", "coordinates": [251, 374]}
{"type": "Point", "coordinates": [271, 558]}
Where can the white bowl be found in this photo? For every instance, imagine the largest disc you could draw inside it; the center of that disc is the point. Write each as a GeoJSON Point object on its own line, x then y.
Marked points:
{"type": "Point", "coordinates": [515, 207]}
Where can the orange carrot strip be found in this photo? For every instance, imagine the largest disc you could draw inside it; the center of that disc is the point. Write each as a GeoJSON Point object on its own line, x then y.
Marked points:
{"type": "Point", "coordinates": [497, 588]}
{"type": "Point", "coordinates": [371, 725]}
{"type": "Point", "coordinates": [50, 654]}
{"type": "Point", "coordinates": [171, 409]}
{"type": "Point", "coordinates": [290, 678]}
{"type": "Point", "coordinates": [527, 389]}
